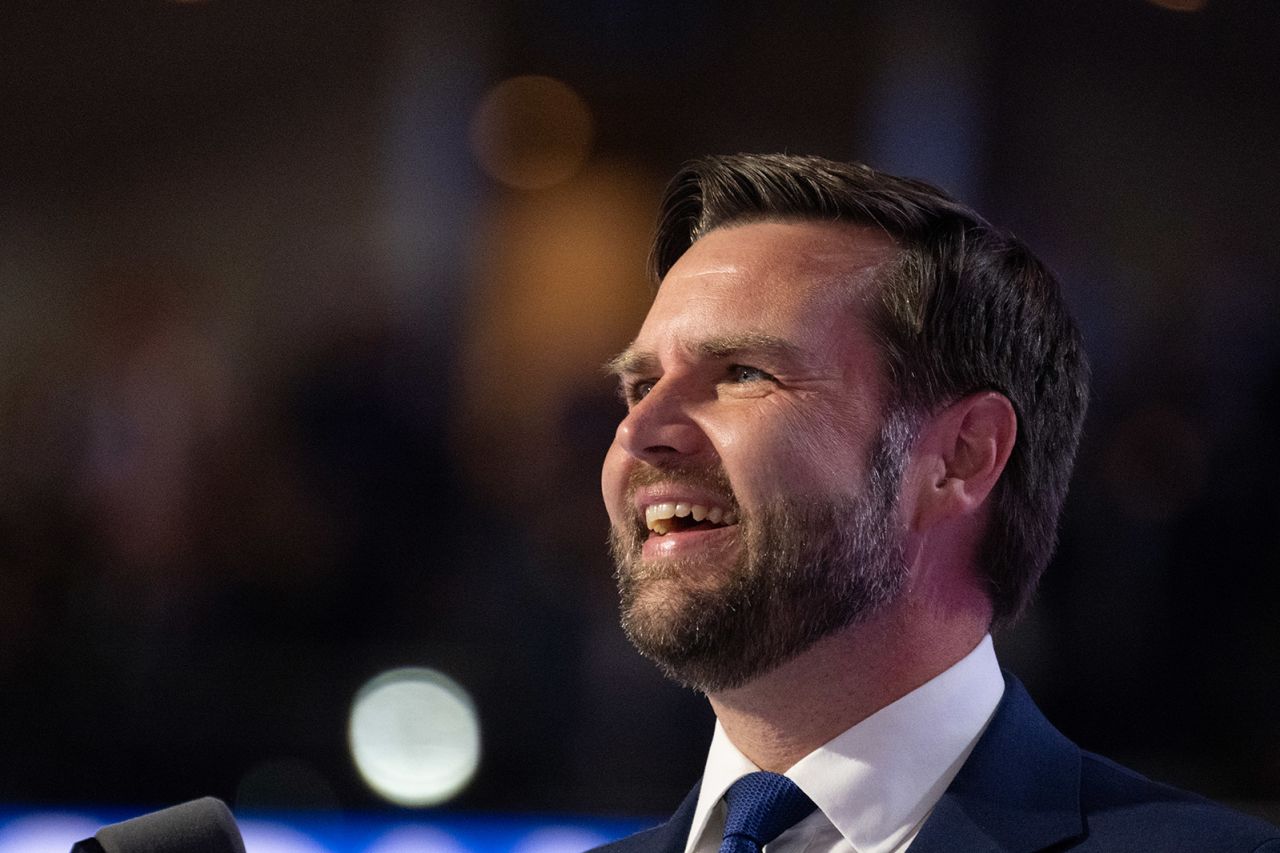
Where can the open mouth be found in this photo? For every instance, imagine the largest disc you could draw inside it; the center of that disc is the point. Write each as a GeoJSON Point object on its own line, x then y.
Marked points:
{"type": "Point", "coordinates": [664, 518]}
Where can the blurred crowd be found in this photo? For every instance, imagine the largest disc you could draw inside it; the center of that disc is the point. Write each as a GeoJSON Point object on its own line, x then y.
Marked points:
{"type": "Point", "coordinates": [300, 382]}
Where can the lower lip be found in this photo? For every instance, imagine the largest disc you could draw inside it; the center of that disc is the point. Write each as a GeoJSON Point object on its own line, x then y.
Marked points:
{"type": "Point", "coordinates": [688, 543]}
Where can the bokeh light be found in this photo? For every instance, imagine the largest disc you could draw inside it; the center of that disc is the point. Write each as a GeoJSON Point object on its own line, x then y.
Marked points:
{"type": "Point", "coordinates": [569, 258]}
{"type": "Point", "coordinates": [559, 839]}
{"type": "Point", "coordinates": [416, 839]}
{"type": "Point", "coordinates": [268, 836]}
{"type": "Point", "coordinates": [46, 831]}
{"type": "Point", "coordinates": [415, 736]}
{"type": "Point", "coordinates": [531, 132]}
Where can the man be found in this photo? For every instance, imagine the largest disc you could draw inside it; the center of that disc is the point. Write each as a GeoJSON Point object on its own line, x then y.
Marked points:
{"type": "Point", "coordinates": [852, 414]}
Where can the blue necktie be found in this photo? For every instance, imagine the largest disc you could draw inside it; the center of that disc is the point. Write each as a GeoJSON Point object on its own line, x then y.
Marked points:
{"type": "Point", "coordinates": [761, 807]}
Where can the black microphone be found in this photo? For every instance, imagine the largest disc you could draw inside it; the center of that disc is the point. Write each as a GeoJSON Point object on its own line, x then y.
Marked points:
{"type": "Point", "coordinates": [200, 826]}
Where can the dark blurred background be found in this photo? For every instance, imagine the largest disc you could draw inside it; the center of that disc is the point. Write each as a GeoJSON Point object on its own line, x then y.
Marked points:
{"type": "Point", "coordinates": [301, 307]}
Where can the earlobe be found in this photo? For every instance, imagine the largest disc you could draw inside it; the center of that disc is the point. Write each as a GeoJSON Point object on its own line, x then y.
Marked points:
{"type": "Point", "coordinates": [966, 448]}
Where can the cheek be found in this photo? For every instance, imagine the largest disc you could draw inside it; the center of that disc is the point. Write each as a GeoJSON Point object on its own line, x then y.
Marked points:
{"type": "Point", "coordinates": [613, 481]}
{"type": "Point", "coordinates": [796, 452]}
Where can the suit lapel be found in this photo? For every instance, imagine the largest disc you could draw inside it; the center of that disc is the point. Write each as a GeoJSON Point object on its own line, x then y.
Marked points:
{"type": "Point", "coordinates": [1019, 790]}
{"type": "Point", "coordinates": [669, 837]}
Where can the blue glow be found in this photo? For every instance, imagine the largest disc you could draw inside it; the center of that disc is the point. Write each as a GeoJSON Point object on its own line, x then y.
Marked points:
{"type": "Point", "coordinates": [53, 831]}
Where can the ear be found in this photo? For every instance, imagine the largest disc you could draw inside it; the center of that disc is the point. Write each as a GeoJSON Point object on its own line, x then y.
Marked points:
{"type": "Point", "coordinates": [960, 456]}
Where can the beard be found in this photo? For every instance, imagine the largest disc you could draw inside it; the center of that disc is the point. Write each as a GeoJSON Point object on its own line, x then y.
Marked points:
{"type": "Point", "coordinates": [805, 569]}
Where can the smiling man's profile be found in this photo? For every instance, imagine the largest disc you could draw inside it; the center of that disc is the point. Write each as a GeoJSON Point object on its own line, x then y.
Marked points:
{"type": "Point", "coordinates": [852, 414]}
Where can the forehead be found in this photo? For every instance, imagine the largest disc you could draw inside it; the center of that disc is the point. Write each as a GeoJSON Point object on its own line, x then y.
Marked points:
{"type": "Point", "coordinates": [803, 281]}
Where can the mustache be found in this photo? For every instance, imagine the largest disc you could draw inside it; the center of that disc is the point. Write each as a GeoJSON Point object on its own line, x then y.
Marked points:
{"type": "Point", "coordinates": [707, 479]}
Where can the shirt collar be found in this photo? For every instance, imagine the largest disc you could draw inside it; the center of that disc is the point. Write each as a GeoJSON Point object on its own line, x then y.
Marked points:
{"type": "Point", "coordinates": [725, 765]}
{"type": "Point", "coordinates": [877, 781]}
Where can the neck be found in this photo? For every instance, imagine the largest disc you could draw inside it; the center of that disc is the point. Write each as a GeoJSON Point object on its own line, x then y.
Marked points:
{"type": "Point", "coordinates": [782, 716]}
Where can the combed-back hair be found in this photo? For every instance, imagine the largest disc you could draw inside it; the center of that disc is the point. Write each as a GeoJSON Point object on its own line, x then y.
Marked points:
{"type": "Point", "coordinates": [965, 307]}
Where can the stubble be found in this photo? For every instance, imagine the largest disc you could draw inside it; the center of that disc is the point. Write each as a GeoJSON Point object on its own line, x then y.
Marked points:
{"type": "Point", "coordinates": [805, 569]}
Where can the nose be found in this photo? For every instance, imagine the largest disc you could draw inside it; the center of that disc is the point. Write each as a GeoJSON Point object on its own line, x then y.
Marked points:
{"type": "Point", "coordinates": [660, 428]}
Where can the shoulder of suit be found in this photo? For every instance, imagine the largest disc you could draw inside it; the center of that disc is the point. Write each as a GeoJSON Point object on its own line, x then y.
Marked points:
{"type": "Point", "coordinates": [668, 837]}
{"type": "Point", "coordinates": [1131, 812]}
{"type": "Point", "coordinates": [645, 840]}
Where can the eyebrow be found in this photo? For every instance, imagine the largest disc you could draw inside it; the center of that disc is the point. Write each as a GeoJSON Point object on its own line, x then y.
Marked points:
{"type": "Point", "coordinates": [634, 361]}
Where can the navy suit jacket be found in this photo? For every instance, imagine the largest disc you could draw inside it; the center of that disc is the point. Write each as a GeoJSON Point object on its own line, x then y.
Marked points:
{"type": "Point", "coordinates": [1027, 788]}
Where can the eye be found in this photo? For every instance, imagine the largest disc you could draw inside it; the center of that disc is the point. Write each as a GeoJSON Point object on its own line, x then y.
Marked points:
{"type": "Point", "coordinates": [634, 390]}
{"type": "Point", "coordinates": [744, 373]}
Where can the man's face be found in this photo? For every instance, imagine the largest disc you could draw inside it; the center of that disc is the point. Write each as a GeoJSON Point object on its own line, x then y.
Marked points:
{"type": "Point", "coordinates": [752, 486]}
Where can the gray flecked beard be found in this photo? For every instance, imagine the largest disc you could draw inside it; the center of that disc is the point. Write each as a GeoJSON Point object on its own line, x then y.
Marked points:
{"type": "Point", "coordinates": [806, 568]}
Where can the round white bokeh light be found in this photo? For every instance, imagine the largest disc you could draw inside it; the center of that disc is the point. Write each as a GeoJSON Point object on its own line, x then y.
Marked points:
{"type": "Point", "coordinates": [414, 736]}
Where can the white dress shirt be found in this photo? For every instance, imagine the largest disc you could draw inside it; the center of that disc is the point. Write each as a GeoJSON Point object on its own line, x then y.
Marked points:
{"type": "Point", "coordinates": [875, 783]}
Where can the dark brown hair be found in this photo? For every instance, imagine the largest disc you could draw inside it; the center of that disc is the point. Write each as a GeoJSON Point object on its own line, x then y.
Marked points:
{"type": "Point", "coordinates": [965, 308]}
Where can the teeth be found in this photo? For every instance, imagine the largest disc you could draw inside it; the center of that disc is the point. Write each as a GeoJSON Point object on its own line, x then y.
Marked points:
{"type": "Point", "coordinates": [658, 516]}
{"type": "Point", "coordinates": [657, 512]}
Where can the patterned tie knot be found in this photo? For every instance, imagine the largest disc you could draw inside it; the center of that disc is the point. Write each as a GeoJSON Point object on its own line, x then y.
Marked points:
{"type": "Point", "coordinates": [761, 806]}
